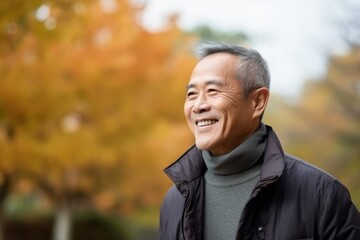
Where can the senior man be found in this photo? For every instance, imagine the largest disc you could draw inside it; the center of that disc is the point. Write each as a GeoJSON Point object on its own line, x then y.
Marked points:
{"type": "Point", "coordinates": [237, 182]}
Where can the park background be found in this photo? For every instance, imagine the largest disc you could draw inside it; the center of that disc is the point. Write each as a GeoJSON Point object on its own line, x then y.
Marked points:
{"type": "Point", "coordinates": [91, 101]}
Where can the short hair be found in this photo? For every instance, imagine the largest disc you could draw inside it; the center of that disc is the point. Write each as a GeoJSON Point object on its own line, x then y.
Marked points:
{"type": "Point", "coordinates": [251, 70]}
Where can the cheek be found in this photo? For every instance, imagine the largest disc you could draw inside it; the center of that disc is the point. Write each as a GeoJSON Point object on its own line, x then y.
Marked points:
{"type": "Point", "coordinates": [236, 118]}
{"type": "Point", "coordinates": [187, 113]}
{"type": "Point", "coordinates": [232, 121]}
{"type": "Point", "coordinates": [232, 111]}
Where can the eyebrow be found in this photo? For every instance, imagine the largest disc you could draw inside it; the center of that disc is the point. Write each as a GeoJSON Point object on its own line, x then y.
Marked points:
{"type": "Point", "coordinates": [210, 82]}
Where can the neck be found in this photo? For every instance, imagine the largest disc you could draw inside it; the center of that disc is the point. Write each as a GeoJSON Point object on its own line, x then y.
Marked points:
{"type": "Point", "coordinates": [241, 158]}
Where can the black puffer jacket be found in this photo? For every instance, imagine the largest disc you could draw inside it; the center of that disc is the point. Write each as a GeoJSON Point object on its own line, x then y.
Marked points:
{"type": "Point", "coordinates": [292, 200]}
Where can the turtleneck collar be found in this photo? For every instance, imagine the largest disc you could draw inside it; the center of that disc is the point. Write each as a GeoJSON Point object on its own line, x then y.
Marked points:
{"type": "Point", "coordinates": [241, 158]}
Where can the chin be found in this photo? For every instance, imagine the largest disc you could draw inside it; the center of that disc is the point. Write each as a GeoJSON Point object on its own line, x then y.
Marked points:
{"type": "Point", "coordinates": [203, 145]}
{"type": "Point", "coordinates": [200, 146]}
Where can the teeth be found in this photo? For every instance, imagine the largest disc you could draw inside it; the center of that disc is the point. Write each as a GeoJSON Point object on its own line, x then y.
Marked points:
{"type": "Point", "coordinates": [206, 123]}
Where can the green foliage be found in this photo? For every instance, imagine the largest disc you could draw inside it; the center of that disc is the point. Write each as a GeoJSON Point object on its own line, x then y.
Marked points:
{"type": "Point", "coordinates": [100, 226]}
{"type": "Point", "coordinates": [89, 225]}
{"type": "Point", "coordinates": [206, 33]}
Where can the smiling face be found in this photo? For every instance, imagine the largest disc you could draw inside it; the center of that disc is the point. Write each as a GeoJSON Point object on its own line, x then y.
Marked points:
{"type": "Point", "coordinates": [218, 114]}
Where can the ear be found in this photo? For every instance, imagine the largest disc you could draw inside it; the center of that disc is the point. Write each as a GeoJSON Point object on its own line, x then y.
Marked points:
{"type": "Point", "coordinates": [260, 100]}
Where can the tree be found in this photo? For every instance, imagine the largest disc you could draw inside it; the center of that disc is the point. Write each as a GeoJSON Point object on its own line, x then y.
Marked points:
{"type": "Point", "coordinates": [83, 103]}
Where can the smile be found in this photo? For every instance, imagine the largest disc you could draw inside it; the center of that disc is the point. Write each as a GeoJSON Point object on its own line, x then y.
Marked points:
{"type": "Point", "coordinates": [204, 123]}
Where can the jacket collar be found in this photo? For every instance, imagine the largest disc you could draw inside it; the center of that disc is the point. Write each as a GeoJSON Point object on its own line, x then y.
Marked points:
{"type": "Point", "coordinates": [187, 168]}
{"type": "Point", "coordinates": [273, 162]}
{"type": "Point", "coordinates": [191, 166]}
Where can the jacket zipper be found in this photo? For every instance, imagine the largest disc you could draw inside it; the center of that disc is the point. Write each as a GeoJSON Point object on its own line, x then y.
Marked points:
{"type": "Point", "coordinates": [261, 233]}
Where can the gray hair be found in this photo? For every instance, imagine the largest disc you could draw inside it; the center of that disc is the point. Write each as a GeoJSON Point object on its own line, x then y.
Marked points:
{"type": "Point", "coordinates": [251, 70]}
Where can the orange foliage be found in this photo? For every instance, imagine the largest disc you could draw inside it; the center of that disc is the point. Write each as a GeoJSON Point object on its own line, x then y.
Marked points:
{"type": "Point", "coordinates": [92, 102]}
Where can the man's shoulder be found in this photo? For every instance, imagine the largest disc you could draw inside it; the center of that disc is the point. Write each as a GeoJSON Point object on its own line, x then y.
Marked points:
{"type": "Point", "coordinates": [173, 193]}
{"type": "Point", "coordinates": [313, 186]}
{"type": "Point", "coordinates": [297, 165]}
{"type": "Point", "coordinates": [172, 206]}
{"type": "Point", "coordinates": [173, 198]}
{"type": "Point", "coordinates": [300, 172]}
{"type": "Point", "coordinates": [170, 214]}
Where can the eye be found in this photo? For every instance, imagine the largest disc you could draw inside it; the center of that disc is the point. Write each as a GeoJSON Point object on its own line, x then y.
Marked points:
{"type": "Point", "coordinates": [212, 91]}
{"type": "Point", "coordinates": [190, 94]}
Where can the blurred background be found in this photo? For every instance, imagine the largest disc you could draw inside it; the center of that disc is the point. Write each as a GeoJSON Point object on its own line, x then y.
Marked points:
{"type": "Point", "coordinates": [92, 91]}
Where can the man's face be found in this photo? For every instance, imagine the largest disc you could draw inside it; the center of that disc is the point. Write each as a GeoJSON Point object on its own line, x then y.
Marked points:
{"type": "Point", "coordinates": [218, 114]}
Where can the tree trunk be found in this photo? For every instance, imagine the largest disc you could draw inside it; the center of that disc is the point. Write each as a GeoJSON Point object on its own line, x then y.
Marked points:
{"type": "Point", "coordinates": [63, 223]}
{"type": "Point", "coordinates": [4, 190]}
{"type": "Point", "coordinates": [2, 237]}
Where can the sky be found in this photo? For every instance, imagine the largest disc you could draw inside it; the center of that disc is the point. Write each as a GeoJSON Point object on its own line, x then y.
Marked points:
{"type": "Point", "coordinates": [294, 36]}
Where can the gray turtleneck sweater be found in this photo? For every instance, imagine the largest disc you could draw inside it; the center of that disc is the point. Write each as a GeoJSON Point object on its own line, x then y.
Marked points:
{"type": "Point", "coordinates": [229, 182]}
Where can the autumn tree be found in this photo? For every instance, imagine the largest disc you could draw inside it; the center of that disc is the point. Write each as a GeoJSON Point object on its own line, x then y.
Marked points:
{"type": "Point", "coordinates": [339, 92]}
{"type": "Point", "coordinates": [88, 102]}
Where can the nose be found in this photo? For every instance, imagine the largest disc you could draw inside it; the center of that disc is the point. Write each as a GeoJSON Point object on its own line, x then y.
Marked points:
{"type": "Point", "coordinates": [201, 105]}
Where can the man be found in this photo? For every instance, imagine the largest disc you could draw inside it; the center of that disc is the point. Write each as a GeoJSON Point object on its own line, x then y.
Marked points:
{"type": "Point", "coordinates": [237, 183]}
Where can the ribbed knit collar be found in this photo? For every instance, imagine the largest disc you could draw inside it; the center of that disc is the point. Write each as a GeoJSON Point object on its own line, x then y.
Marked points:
{"type": "Point", "coordinates": [241, 158]}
